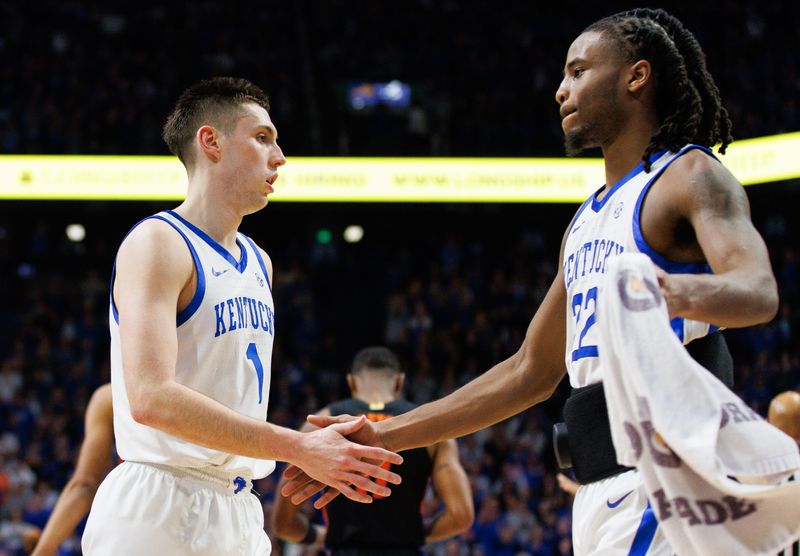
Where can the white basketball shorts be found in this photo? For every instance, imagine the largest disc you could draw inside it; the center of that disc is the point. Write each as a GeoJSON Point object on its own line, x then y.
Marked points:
{"type": "Point", "coordinates": [612, 517]}
{"type": "Point", "coordinates": [143, 510]}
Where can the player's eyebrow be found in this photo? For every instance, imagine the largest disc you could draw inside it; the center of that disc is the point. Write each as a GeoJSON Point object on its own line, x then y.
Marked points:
{"type": "Point", "coordinates": [572, 63]}
{"type": "Point", "coordinates": [271, 131]}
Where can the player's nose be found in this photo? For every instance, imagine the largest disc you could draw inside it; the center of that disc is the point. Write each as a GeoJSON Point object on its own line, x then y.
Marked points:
{"type": "Point", "coordinates": [562, 93]}
{"type": "Point", "coordinates": [277, 159]}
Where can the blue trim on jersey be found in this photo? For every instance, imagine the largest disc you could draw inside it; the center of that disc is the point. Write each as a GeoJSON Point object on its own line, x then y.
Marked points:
{"type": "Point", "coordinates": [577, 214]}
{"type": "Point", "coordinates": [665, 263]}
{"type": "Point", "coordinates": [201, 278]}
{"type": "Point", "coordinates": [597, 205]}
{"type": "Point", "coordinates": [238, 265]}
{"type": "Point", "coordinates": [260, 261]}
{"type": "Point", "coordinates": [114, 270]}
{"type": "Point", "coordinates": [111, 292]}
{"type": "Point", "coordinates": [677, 327]}
{"type": "Point", "coordinates": [184, 315]}
{"type": "Point", "coordinates": [645, 533]}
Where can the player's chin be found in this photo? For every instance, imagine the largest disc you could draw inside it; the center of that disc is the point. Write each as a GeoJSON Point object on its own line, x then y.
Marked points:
{"type": "Point", "coordinates": [576, 141]}
{"type": "Point", "coordinates": [257, 204]}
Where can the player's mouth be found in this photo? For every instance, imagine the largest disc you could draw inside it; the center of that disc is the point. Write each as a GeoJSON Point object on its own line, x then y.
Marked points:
{"type": "Point", "coordinates": [271, 182]}
{"type": "Point", "coordinates": [566, 116]}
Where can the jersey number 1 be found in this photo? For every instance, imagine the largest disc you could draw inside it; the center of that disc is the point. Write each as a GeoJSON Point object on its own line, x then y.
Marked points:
{"type": "Point", "coordinates": [252, 355]}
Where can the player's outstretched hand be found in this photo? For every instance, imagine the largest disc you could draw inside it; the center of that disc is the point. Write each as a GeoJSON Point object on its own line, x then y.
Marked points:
{"type": "Point", "coordinates": [368, 434]}
{"type": "Point", "coordinates": [300, 486]}
{"type": "Point", "coordinates": [327, 458]}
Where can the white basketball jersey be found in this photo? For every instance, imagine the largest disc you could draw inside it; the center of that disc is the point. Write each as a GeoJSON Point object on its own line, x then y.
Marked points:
{"type": "Point", "coordinates": [225, 339]}
{"type": "Point", "coordinates": [599, 231]}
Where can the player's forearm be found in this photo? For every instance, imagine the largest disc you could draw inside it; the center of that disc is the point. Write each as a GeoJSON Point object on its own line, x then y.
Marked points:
{"type": "Point", "coordinates": [73, 504]}
{"type": "Point", "coordinates": [503, 391]}
{"type": "Point", "coordinates": [187, 414]}
{"type": "Point", "coordinates": [734, 299]}
{"type": "Point", "coordinates": [448, 524]}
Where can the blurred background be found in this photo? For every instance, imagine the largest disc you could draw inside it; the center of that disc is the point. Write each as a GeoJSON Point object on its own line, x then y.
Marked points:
{"type": "Point", "coordinates": [450, 287]}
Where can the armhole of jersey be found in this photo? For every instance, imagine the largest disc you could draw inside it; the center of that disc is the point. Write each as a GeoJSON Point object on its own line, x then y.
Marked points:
{"type": "Point", "coordinates": [114, 270]}
{"type": "Point", "coordinates": [184, 315]}
{"type": "Point", "coordinates": [663, 262]}
{"type": "Point", "coordinates": [260, 261]}
{"type": "Point", "coordinates": [678, 325]}
{"type": "Point", "coordinates": [199, 293]}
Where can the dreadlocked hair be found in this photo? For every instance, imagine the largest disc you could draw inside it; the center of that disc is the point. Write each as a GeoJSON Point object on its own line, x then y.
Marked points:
{"type": "Point", "coordinates": [688, 103]}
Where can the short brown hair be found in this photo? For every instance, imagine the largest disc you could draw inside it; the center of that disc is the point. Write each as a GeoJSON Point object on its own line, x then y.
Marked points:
{"type": "Point", "coordinates": [215, 102]}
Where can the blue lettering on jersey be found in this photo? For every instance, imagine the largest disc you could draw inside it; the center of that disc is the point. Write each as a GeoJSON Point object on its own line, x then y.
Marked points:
{"type": "Point", "coordinates": [590, 258]}
{"type": "Point", "coordinates": [242, 313]}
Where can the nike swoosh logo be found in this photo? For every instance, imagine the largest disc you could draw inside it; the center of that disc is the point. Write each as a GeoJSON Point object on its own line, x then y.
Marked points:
{"type": "Point", "coordinates": [220, 273]}
{"type": "Point", "coordinates": [575, 229]}
{"type": "Point", "coordinates": [613, 505]}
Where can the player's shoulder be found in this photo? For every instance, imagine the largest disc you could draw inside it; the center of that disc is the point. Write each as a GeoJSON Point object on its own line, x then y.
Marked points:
{"type": "Point", "coordinates": [696, 166]}
{"type": "Point", "coordinates": [154, 252]}
{"type": "Point", "coordinates": [400, 405]}
{"type": "Point", "coordinates": [349, 406]}
{"type": "Point", "coordinates": [151, 232]}
{"type": "Point", "coordinates": [102, 393]}
{"type": "Point", "coordinates": [152, 239]}
{"type": "Point", "coordinates": [100, 403]}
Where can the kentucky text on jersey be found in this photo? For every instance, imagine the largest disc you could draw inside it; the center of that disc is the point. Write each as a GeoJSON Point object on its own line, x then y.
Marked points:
{"type": "Point", "coordinates": [242, 312]}
{"type": "Point", "coordinates": [590, 258]}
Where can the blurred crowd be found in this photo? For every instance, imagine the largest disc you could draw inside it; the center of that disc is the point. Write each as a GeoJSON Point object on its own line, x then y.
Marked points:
{"type": "Point", "coordinates": [99, 78]}
{"type": "Point", "coordinates": [450, 307]}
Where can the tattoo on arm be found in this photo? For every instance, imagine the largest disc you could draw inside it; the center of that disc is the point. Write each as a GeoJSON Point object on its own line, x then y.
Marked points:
{"type": "Point", "coordinates": [723, 200]}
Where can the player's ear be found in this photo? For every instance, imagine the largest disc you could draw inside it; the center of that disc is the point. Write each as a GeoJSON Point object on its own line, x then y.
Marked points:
{"type": "Point", "coordinates": [639, 76]}
{"type": "Point", "coordinates": [207, 140]}
{"type": "Point", "coordinates": [400, 380]}
{"type": "Point", "coordinates": [351, 383]}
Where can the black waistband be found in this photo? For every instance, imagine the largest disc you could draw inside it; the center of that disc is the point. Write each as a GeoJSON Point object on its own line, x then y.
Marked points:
{"type": "Point", "coordinates": [589, 435]}
{"type": "Point", "coordinates": [586, 443]}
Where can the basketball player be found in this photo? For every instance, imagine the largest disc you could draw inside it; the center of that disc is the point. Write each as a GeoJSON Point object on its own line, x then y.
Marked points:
{"type": "Point", "coordinates": [94, 461]}
{"type": "Point", "coordinates": [192, 326]}
{"type": "Point", "coordinates": [391, 525]}
{"type": "Point", "coordinates": [636, 85]}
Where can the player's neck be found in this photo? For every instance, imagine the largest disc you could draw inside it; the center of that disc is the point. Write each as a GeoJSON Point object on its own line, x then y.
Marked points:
{"type": "Point", "coordinates": [375, 396]}
{"type": "Point", "coordinates": [215, 218]}
{"type": "Point", "coordinates": [624, 153]}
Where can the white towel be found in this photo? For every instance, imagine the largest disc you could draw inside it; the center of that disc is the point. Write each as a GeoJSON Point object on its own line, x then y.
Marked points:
{"type": "Point", "coordinates": [687, 433]}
